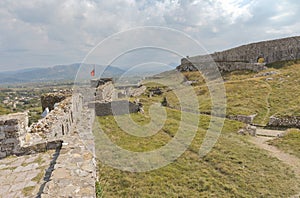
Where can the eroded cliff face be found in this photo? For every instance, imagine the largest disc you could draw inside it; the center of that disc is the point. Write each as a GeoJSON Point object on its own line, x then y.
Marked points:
{"type": "Point", "coordinates": [247, 57]}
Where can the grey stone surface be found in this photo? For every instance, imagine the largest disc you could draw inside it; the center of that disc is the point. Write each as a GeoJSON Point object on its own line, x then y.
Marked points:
{"type": "Point", "coordinates": [118, 107]}
{"type": "Point", "coordinates": [248, 130]}
{"type": "Point", "coordinates": [20, 177]}
{"type": "Point", "coordinates": [246, 57]}
{"type": "Point", "coordinates": [285, 121]}
{"type": "Point", "coordinates": [248, 119]}
{"type": "Point", "coordinates": [75, 165]}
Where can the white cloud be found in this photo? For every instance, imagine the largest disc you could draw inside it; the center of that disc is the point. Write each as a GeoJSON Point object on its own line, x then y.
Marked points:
{"type": "Point", "coordinates": [38, 32]}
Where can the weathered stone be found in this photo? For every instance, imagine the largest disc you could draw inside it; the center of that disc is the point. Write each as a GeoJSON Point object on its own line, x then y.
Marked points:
{"type": "Point", "coordinates": [248, 130]}
{"type": "Point", "coordinates": [119, 107]}
{"type": "Point", "coordinates": [286, 121]}
{"type": "Point", "coordinates": [2, 154]}
{"type": "Point", "coordinates": [54, 144]}
{"type": "Point", "coordinates": [49, 100]}
{"type": "Point", "coordinates": [40, 147]}
{"type": "Point", "coordinates": [11, 122]}
{"type": "Point", "coordinates": [2, 136]}
{"type": "Point", "coordinates": [11, 141]}
{"type": "Point", "coordinates": [243, 118]}
{"type": "Point", "coordinates": [246, 57]}
{"type": "Point", "coordinates": [10, 129]}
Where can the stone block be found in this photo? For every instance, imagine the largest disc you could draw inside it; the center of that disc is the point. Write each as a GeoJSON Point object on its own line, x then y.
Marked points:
{"type": "Point", "coordinates": [54, 144]}
{"type": "Point", "coordinates": [40, 147]}
{"type": "Point", "coordinates": [11, 141]}
{"type": "Point", "coordinates": [11, 129]}
{"type": "Point", "coordinates": [2, 135]}
{"type": "Point", "coordinates": [11, 122]}
{"type": "Point", "coordinates": [2, 154]}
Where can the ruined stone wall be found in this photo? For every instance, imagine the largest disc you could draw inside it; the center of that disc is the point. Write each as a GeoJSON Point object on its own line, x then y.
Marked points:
{"type": "Point", "coordinates": [12, 128]}
{"type": "Point", "coordinates": [289, 122]}
{"type": "Point", "coordinates": [61, 120]}
{"type": "Point", "coordinates": [68, 130]}
{"type": "Point", "coordinates": [118, 107]}
{"type": "Point", "coordinates": [18, 139]}
{"type": "Point", "coordinates": [242, 118]}
{"type": "Point", "coordinates": [104, 92]}
{"type": "Point", "coordinates": [246, 57]}
{"type": "Point", "coordinates": [50, 99]}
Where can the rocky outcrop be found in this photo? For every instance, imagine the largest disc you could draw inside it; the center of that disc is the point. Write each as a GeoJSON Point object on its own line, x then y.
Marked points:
{"type": "Point", "coordinates": [288, 121]}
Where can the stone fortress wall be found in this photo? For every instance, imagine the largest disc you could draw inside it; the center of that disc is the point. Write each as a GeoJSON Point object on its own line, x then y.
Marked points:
{"type": "Point", "coordinates": [247, 57]}
{"type": "Point", "coordinates": [75, 164]}
{"type": "Point", "coordinates": [67, 128]}
{"type": "Point", "coordinates": [16, 138]}
{"type": "Point", "coordinates": [108, 101]}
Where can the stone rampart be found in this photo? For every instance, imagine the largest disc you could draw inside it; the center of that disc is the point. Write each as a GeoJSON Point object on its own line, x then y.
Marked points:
{"type": "Point", "coordinates": [61, 120]}
{"type": "Point", "coordinates": [16, 138]}
{"type": "Point", "coordinates": [247, 57]}
{"type": "Point", "coordinates": [50, 99]}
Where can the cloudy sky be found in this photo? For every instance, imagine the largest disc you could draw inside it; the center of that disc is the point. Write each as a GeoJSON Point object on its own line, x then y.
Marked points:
{"type": "Point", "coordinates": [38, 33]}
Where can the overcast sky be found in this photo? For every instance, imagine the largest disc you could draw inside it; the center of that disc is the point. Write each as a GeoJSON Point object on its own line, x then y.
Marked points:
{"type": "Point", "coordinates": [39, 33]}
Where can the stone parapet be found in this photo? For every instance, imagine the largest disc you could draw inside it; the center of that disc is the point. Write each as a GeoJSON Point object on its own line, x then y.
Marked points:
{"type": "Point", "coordinates": [247, 57]}
{"type": "Point", "coordinates": [287, 121]}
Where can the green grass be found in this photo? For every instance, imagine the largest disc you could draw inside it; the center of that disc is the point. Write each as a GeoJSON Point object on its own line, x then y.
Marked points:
{"type": "Point", "coordinates": [40, 176]}
{"type": "Point", "coordinates": [4, 110]}
{"type": "Point", "coordinates": [27, 191]}
{"type": "Point", "coordinates": [290, 142]}
{"type": "Point", "coordinates": [99, 190]}
{"type": "Point", "coordinates": [248, 95]}
{"type": "Point", "coordinates": [234, 168]}
{"type": "Point", "coordinates": [281, 64]}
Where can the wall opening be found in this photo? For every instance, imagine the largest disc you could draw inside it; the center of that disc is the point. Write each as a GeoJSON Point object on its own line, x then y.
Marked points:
{"type": "Point", "coordinates": [260, 60]}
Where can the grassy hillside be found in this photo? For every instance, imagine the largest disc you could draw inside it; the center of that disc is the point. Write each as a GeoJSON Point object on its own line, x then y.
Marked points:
{"type": "Point", "coordinates": [249, 93]}
{"type": "Point", "coordinates": [290, 142]}
{"type": "Point", "coordinates": [234, 168]}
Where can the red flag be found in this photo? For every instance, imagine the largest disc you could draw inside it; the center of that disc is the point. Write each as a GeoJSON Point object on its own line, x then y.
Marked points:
{"type": "Point", "coordinates": [93, 72]}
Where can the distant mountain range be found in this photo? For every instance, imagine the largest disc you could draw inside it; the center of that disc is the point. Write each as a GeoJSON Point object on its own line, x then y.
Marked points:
{"type": "Point", "coordinates": [74, 71]}
{"type": "Point", "coordinates": [59, 72]}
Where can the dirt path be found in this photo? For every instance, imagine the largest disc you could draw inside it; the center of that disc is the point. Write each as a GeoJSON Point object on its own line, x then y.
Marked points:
{"type": "Point", "coordinates": [261, 141]}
